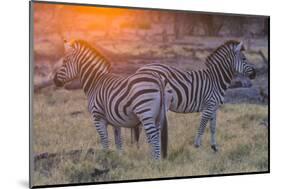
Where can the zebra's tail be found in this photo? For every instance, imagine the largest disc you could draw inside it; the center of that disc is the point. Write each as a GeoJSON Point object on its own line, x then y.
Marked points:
{"type": "Point", "coordinates": [164, 137]}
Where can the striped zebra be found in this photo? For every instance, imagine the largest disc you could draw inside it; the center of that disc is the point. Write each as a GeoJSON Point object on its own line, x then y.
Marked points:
{"type": "Point", "coordinates": [119, 101]}
{"type": "Point", "coordinates": [204, 90]}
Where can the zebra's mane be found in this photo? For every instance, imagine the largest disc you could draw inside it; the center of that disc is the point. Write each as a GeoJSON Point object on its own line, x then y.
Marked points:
{"type": "Point", "coordinates": [228, 44]}
{"type": "Point", "coordinates": [88, 46]}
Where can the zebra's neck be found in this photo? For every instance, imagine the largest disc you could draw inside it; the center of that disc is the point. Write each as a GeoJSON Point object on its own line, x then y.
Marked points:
{"type": "Point", "coordinates": [220, 71]}
{"type": "Point", "coordinates": [92, 68]}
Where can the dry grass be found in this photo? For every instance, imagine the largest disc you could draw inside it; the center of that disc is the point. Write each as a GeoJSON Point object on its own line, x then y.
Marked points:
{"type": "Point", "coordinates": [61, 123]}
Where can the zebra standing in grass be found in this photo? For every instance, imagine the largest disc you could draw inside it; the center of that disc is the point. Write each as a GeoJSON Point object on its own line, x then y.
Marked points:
{"type": "Point", "coordinates": [119, 101]}
{"type": "Point", "coordinates": [203, 90]}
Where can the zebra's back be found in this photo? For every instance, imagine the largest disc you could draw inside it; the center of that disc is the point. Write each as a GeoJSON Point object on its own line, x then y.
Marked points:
{"type": "Point", "coordinates": [187, 86]}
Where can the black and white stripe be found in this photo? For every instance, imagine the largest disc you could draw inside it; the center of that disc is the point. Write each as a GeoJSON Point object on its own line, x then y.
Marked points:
{"type": "Point", "coordinates": [119, 101]}
{"type": "Point", "coordinates": [204, 90]}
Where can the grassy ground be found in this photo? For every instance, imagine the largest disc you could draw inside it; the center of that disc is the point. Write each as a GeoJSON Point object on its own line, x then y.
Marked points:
{"type": "Point", "coordinates": [61, 123]}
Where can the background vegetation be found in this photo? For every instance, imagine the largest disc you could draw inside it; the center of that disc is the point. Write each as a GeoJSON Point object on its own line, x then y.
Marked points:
{"type": "Point", "coordinates": [62, 124]}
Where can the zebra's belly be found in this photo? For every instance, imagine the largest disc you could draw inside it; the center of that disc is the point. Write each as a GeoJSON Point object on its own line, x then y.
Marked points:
{"type": "Point", "coordinates": [186, 108]}
{"type": "Point", "coordinates": [185, 111]}
{"type": "Point", "coordinates": [129, 121]}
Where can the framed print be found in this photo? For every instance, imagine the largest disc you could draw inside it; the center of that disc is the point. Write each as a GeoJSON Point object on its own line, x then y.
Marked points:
{"type": "Point", "coordinates": [122, 94]}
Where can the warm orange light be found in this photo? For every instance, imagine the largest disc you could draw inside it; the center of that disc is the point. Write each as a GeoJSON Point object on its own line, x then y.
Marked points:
{"type": "Point", "coordinates": [100, 10]}
{"type": "Point", "coordinates": [77, 17]}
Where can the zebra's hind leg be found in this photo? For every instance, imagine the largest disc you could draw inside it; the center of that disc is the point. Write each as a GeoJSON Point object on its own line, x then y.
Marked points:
{"type": "Point", "coordinates": [152, 134]}
{"type": "Point", "coordinates": [118, 138]}
{"type": "Point", "coordinates": [213, 133]}
{"type": "Point", "coordinates": [135, 134]}
{"type": "Point", "coordinates": [101, 126]}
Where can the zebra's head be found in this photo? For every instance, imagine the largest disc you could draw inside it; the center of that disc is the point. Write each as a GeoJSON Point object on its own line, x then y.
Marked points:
{"type": "Point", "coordinates": [69, 69]}
{"type": "Point", "coordinates": [240, 63]}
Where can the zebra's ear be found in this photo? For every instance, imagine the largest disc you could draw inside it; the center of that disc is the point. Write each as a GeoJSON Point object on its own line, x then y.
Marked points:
{"type": "Point", "coordinates": [239, 47]}
{"type": "Point", "coordinates": [67, 46]}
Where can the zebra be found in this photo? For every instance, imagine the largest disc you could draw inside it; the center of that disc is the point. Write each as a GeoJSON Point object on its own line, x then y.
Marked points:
{"type": "Point", "coordinates": [115, 100]}
{"type": "Point", "coordinates": [204, 90]}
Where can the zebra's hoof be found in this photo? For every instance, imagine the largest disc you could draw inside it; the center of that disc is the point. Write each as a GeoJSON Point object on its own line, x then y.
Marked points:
{"type": "Point", "coordinates": [215, 148]}
{"type": "Point", "coordinates": [196, 145]}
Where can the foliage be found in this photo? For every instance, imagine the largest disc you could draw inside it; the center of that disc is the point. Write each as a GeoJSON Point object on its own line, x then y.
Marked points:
{"type": "Point", "coordinates": [242, 143]}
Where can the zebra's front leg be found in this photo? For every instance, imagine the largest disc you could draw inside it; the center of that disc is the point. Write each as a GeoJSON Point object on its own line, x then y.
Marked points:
{"type": "Point", "coordinates": [118, 138]}
{"type": "Point", "coordinates": [101, 126]}
{"type": "Point", "coordinates": [213, 132]}
{"type": "Point", "coordinates": [204, 120]}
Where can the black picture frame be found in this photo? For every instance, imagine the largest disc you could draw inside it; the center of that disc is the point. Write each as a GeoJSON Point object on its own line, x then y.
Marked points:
{"type": "Point", "coordinates": [31, 91]}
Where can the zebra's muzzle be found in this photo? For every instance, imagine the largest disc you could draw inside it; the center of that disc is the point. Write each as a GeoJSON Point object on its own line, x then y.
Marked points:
{"type": "Point", "coordinates": [57, 82]}
{"type": "Point", "coordinates": [252, 75]}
